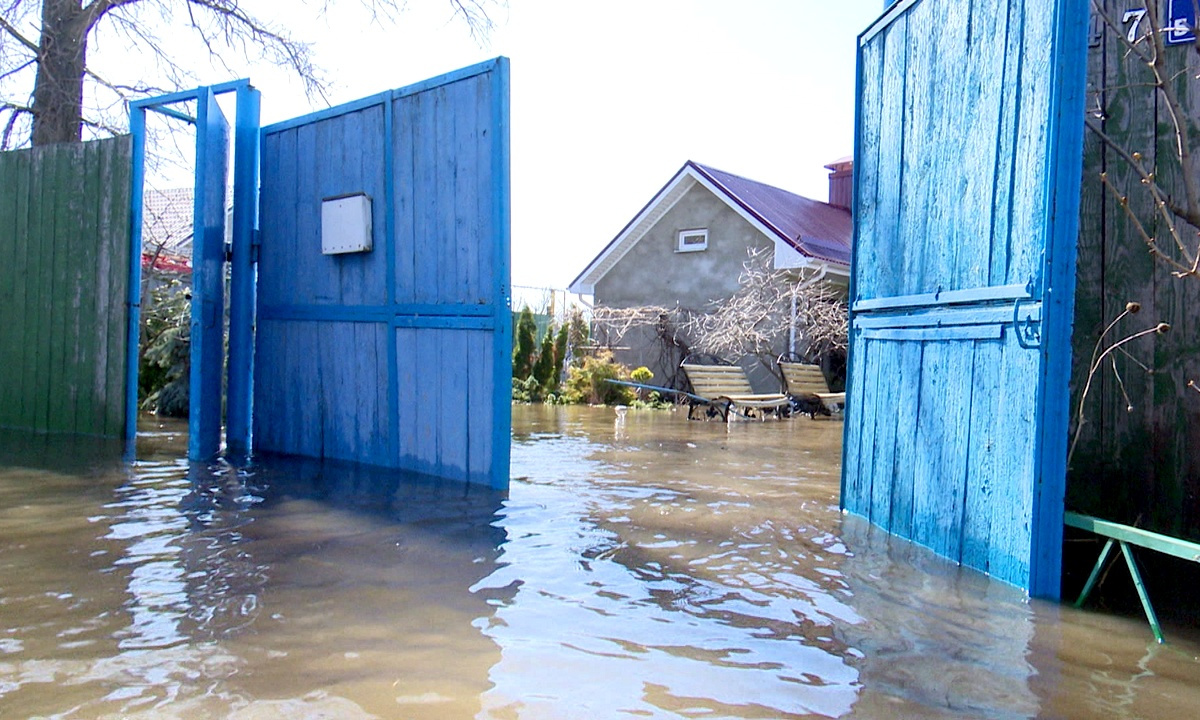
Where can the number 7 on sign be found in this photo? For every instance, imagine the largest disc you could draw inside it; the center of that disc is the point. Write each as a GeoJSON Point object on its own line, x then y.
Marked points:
{"type": "Point", "coordinates": [1136, 15]}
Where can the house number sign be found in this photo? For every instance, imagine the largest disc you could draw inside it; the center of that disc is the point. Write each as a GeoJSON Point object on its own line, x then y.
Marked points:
{"type": "Point", "coordinates": [1179, 29]}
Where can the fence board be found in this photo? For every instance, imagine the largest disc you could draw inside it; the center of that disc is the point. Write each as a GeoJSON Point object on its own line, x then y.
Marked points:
{"type": "Point", "coordinates": [885, 437]}
{"type": "Point", "coordinates": [114, 278]}
{"type": "Point", "coordinates": [39, 293]}
{"type": "Point", "coordinates": [10, 257]}
{"type": "Point", "coordinates": [979, 504]}
{"type": "Point", "coordinates": [87, 342]}
{"type": "Point", "coordinates": [58, 390]}
{"type": "Point", "coordinates": [908, 410]}
{"type": "Point", "coordinates": [890, 184]}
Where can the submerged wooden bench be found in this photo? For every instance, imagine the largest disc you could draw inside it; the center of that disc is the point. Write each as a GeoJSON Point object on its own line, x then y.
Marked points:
{"type": "Point", "coordinates": [1124, 536]}
{"type": "Point", "coordinates": [724, 388]}
{"type": "Point", "coordinates": [804, 379]}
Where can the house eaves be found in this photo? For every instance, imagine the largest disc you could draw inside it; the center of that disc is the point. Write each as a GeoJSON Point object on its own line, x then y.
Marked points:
{"type": "Point", "coordinates": [818, 231]}
{"type": "Point", "coordinates": [741, 195]}
{"type": "Point", "coordinates": [634, 230]}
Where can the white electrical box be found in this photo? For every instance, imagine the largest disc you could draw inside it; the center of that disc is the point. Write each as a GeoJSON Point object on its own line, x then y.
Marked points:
{"type": "Point", "coordinates": [346, 224]}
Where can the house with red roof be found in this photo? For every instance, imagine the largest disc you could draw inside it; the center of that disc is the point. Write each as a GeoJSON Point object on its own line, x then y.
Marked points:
{"type": "Point", "coordinates": [687, 247]}
{"type": "Point", "coordinates": [167, 231]}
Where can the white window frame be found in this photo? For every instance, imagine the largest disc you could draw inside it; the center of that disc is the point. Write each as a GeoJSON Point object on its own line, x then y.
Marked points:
{"type": "Point", "coordinates": [680, 246]}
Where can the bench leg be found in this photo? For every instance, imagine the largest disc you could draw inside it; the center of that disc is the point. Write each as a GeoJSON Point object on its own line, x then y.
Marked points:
{"type": "Point", "coordinates": [1141, 591]}
{"type": "Point", "coordinates": [1091, 581]}
{"type": "Point", "coordinates": [723, 407]}
{"type": "Point", "coordinates": [1143, 595]}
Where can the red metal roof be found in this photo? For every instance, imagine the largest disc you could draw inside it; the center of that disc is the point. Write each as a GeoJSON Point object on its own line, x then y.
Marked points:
{"type": "Point", "coordinates": [816, 229]}
{"type": "Point", "coordinates": [165, 262]}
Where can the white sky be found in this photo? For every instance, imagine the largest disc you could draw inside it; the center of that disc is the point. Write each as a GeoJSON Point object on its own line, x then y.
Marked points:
{"type": "Point", "coordinates": [610, 98]}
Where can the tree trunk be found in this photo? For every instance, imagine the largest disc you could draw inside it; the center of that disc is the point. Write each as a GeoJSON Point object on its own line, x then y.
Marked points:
{"type": "Point", "coordinates": [58, 88]}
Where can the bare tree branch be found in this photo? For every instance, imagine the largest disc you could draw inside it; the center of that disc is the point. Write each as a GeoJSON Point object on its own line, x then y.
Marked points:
{"type": "Point", "coordinates": [15, 113]}
{"type": "Point", "coordinates": [99, 8]}
{"type": "Point", "coordinates": [7, 27]}
{"type": "Point", "coordinates": [754, 320]}
{"type": "Point", "coordinates": [1149, 49]}
{"type": "Point", "coordinates": [58, 45]}
{"type": "Point", "coordinates": [9, 73]}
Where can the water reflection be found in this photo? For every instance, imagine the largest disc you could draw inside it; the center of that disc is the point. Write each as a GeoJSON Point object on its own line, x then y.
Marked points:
{"type": "Point", "coordinates": [938, 640]}
{"type": "Point", "coordinates": [303, 589]}
{"type": "Point", "coordinates": [669, 591]}
{"type": "Point", "coordinates": [641, 566]}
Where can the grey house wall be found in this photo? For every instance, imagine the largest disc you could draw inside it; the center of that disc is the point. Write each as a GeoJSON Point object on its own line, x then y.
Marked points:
{"type": "Point", "coordinates": [654, 273]}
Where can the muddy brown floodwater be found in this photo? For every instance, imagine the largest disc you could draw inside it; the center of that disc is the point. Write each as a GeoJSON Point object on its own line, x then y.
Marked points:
{"type": "Point", "coordinates": [639, 567]}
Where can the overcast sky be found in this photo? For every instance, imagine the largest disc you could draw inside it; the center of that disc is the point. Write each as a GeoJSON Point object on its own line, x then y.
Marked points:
{"type": "Point", "coordinates": [610, 98]}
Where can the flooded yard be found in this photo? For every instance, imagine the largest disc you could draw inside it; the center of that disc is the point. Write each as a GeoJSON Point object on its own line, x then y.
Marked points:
{"type": "Point", "coordinates": [643, 566]}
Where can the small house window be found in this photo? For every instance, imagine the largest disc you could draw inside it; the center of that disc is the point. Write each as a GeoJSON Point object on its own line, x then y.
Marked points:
{"type": "Point", "coordinates": [692, 240]}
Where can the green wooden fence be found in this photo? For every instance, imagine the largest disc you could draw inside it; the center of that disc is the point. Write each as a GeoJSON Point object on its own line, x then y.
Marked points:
{"type": "Point", "coordinates": [64, 275]}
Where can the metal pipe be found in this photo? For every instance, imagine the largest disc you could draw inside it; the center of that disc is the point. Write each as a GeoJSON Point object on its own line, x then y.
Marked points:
{"type": "Point", "coordinates": [137, 128]}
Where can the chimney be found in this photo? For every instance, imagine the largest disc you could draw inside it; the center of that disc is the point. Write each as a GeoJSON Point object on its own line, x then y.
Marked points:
{"type": "Point", "coordinates": [841, 182]}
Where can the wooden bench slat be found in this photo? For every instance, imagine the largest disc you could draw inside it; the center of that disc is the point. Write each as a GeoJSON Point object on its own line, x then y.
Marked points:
{"type": "Point", "coordinates": [730, 382]}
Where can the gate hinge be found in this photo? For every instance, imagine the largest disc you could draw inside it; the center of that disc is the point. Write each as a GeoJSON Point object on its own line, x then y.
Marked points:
{"type": "Point", "coordinates": [228, 252]}
{"type": "Point", "coordinates": [1028, 329]}
{"type": "Point", "coordinates": [255, 244]}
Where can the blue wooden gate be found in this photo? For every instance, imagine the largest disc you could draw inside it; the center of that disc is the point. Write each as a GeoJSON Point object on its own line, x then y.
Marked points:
{"type": "Point", "coordinates": [208, 278]}
{"type": "Point", "coordinates": [967, 177]}
{"type": "Point", "coordinates": [397, 355]}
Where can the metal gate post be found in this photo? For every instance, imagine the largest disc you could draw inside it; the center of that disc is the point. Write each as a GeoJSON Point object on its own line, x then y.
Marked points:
{"type": "Point", "coordinates": [239, 404]}
{"type": "Point", "coordinates": [137, 128]}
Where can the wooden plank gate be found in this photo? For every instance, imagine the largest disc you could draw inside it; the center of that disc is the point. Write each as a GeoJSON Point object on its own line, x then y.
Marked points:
{"type": "Point", "coordinates": [390, 346]}
{"type": "Point", "coordinates": [368, 319]}
{"type": "Point", "coordinates": [968, 155]}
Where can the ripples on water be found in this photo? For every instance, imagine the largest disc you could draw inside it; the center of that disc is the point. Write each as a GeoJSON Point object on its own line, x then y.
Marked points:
{"type": "Point", "coordinates": [644, 567]}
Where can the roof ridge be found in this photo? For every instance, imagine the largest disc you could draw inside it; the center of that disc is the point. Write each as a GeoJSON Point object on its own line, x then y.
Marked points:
{"type": "Point", "coordinates": [709, 169]}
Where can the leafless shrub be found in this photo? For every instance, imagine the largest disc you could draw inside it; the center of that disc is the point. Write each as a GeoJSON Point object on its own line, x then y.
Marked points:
{"type": "Point", "coordinates": [756, 320]}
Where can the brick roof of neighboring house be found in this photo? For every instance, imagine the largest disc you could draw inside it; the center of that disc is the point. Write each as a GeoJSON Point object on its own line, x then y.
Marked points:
{"type": "Point", "coordinates": [167, 220]}
{"type": "Point", "coordinates": [821, 233]}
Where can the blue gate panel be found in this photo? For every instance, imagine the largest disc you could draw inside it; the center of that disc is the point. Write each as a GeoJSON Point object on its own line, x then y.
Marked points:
{"type": "Point", "coordinates": [397, 356]}
{"type": "Point", "coordinates": [208, 280]}
{"type": "Point", "coordinates": [436, 435]}
{"type": "Point", "coordinates": [969, 127]}
{"type": "Point", "coordinates": [952, 170]}
{"type": "Point", "coordinates": [945, 461]}
{"type": "Point", "coordinates": [330, 382]}
{"type": "Point", "coordinates": [325, 158]}
{"type": "Point", "coordinates": [443, 200]}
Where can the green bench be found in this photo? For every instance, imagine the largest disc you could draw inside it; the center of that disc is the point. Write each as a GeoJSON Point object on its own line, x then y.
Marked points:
{"type": "Point", "coordinates": [1125, 536]}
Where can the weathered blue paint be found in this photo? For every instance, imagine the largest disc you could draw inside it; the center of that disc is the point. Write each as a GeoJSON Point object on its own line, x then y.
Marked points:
{"type": "Point", "coordinates": [967, 162]}
{"type": "Point", "coordinates": [500, 378]}
{"type": "Point", "coordinates": [1063, 179]}
{"type": "Point", "coordinates": [137, 128]}
{"type": "Point", "coordinates": [397, 356]}
{"type": "Point", "coordinates": [949, 297]}
{"type": "Point", "coordinates": [208, 279]}
{"type": "Point", "coordinates": [239, 405]}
